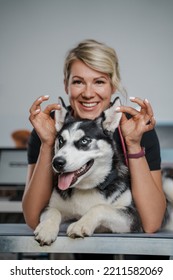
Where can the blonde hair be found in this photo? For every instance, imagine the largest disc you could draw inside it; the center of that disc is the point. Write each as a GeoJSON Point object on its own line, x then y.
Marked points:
{"type": "Point", "coordinates": [97, 56]}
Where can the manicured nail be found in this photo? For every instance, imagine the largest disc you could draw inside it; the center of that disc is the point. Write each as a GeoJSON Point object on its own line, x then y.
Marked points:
{"type": "Point", "coordinates": [47, 96]}
{"type": "Point", "coordinates": [131, 97]}
{"type": "Point", "coordinates": [117, 109]}
{"type": "Point", "coordinates": [37, 111]}
{"type": "Point", "coordinates": [146, 100]}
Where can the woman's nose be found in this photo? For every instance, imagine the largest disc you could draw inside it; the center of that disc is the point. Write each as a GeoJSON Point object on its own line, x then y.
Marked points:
{"type": "Point", "coordinates": [88, 91]}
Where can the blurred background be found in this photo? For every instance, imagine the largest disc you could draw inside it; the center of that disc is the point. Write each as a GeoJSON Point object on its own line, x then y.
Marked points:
{"type": "Point", "coordinates": [36, 34]}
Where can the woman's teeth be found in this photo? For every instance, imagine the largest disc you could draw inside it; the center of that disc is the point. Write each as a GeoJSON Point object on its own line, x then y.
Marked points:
{"type": "Point", "coordinates": [89, 104]}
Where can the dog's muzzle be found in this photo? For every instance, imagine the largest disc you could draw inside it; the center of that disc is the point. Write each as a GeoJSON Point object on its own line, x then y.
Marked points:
{"type": "Point", "coordinates": [59, 164]}
{"type": "Point", "coordinates": [67, 179]}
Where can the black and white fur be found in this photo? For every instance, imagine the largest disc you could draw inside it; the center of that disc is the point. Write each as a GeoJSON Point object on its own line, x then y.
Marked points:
{"type": "Point", "coordinates": [167, 178]}
{"type": "Point", "coordinates": [93, 186]}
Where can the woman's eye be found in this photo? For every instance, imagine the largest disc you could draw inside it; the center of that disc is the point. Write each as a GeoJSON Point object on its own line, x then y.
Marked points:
{"type": "Point", "coordinates": [77, 82]}
{"type": "Point", "coordinates": [100, 82]}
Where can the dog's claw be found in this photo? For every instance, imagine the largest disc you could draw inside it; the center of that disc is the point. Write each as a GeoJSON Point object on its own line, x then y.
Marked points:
{"type": "Point", "coordinates": [46, 233]}
{"type": "Point", "coordinates": [75, 235]}
{"type": "Point", "coordinates": [42, 243]}
{"type": "Point", "coordinates": [78, 230]}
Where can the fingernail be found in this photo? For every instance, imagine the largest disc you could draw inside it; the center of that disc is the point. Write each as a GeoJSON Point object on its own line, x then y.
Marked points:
{"type": "Point", "coordinates": [131, 97]}
{"type": "Point", "coordinates": [37, 111]}
{"type": "Point", "coordinates": [117, 109]}
{"type": "Point", "coordinates": [146, 100]}
{"type": "Point", "coordinates": [47, 96]}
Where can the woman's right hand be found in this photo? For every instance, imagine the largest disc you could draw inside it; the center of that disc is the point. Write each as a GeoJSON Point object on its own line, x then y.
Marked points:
{"type": "Point", "coordinates": [42, 121]}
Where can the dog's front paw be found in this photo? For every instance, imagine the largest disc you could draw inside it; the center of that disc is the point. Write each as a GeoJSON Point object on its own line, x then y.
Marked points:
{"type": "Point", "coordinates": [46, 232]}
{"type": "Point", "coordinates": [79, 229]}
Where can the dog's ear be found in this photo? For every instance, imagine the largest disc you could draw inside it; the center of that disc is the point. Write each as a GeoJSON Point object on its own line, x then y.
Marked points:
{"type": "Point", "coordinates": [60, 115]}
{"type": "Point", "coordinates": [112, 118]}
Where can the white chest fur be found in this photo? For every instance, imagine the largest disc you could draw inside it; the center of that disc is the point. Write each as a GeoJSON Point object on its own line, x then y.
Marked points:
{"type": "Point", "coordinates": [79, 203]}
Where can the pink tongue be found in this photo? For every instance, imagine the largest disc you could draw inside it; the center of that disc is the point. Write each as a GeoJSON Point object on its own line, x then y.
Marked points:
{"type": "Point", "coordinates": [65, 180]}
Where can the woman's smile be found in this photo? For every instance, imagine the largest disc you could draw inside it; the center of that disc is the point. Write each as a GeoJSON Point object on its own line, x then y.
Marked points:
{"type": "Point", "coordinates": [89, 91]}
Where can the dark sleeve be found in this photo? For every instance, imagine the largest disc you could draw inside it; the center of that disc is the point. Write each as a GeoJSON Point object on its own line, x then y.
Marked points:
{"type": "Point", "coordinates": [152, 149]}
{"type": "Point", "coordinates": [33, 147]}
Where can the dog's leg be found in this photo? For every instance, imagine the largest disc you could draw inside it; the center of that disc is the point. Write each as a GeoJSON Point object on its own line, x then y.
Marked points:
{"type": "Point", "coordinates": [47, 230]}
{"type": "Point", "coordinates": [168, 189]}
{"type": "Point", "coordinates": [169, 222]}
{"type": "Point", "coordinates": [109, 217]}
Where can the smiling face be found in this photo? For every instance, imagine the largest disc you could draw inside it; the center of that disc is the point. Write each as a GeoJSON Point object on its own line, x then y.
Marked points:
{"type": "Point", "coordinates": [89, 91]}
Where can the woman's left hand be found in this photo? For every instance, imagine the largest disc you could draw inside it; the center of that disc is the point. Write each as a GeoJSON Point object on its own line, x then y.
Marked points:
{"type": "Point", "coordinates": [141, 120]}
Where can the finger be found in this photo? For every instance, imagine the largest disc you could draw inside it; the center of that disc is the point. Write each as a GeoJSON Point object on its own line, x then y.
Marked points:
{"type": "Point", "coordinates": [151, 122]}
{"type": "Point", "coordinates": [52, 107]}
{"type": "Point", "coordinates": [144, 104]}
{"type": "Point", "coordinates": [34, 113]}
{"type": "Point", "coordinates": [141, 103]}
{"type": "Point", "coordinates": [133, 111]}
{"type": "Point", "coordinates": [128, 110]}
{"type": "Point", "coordinates": [36, 105]}
{"type": "Point", "coordinates": [149, 109]}
{"type": "Point", "coordinates": [137, 100]}
{"type": "Point", "coordinates": [146, 110]}
{"type": "Point", "coordinates": [123, 118]}
{"type": "Point", "coordinates": [149, 116]}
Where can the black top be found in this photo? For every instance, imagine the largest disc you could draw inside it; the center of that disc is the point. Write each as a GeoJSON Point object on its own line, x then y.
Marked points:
{"type": "Point", "coordinates": [149, 141]}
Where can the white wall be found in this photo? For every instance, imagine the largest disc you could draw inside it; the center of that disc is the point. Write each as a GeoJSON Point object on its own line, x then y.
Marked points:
{"type": "Point", "coordinates": [36, 34]}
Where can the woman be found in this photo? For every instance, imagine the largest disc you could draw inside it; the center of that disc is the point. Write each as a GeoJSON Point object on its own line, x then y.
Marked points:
{"type": "Point", "coordinates": [91, 77]}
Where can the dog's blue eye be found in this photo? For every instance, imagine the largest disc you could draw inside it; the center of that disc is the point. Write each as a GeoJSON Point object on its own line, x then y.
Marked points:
{"type": "Point", "coordinates": [85, 141]}
{"type": "Point", "coordinates": [61, 141]}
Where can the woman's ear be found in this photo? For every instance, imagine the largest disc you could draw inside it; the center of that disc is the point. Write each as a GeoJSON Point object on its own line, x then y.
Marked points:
{"type": "Point", "coordinates": [66, 86]}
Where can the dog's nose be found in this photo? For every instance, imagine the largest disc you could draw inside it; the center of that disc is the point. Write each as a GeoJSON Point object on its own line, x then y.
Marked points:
{"type": "Point", "coordinates": [59, 163]}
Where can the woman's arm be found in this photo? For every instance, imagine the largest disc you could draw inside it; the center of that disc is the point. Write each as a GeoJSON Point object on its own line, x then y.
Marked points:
{"type": "Point", "coordinates": [38, 187]}
{"type": "Point", "coordinates": [39, 181]}
{"type": "Point", "coordinates": [146, 185]}
{"type": "Point", "coordinates": [147, 193]}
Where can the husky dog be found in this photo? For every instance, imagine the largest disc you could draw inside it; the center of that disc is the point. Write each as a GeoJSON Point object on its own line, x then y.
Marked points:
{"type": "Point", "coordinates": [167, 178]}
{"type": "Point", "coordinates": [93, 184]}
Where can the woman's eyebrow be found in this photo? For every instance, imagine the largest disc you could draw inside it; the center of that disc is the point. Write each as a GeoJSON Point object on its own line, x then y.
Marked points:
{"type": "Point", "coordinates": [98, 77]}
{"type": "Point", "coordinates": [101, 77]}
{"type": "Point", "coordinates": [76, 76]}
